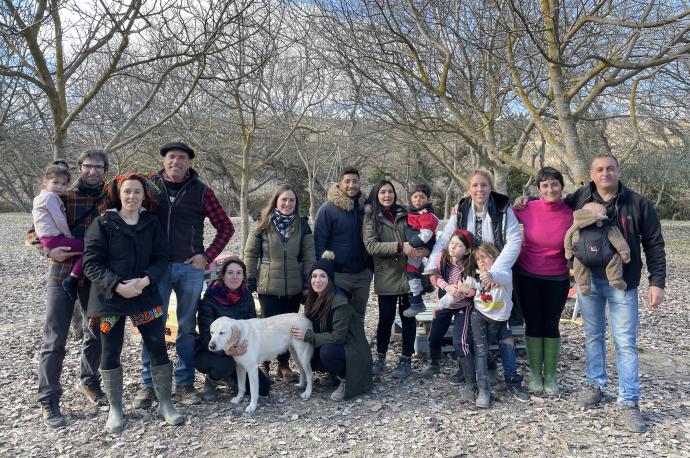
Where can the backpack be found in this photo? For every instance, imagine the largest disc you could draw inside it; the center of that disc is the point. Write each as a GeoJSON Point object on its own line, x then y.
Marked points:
{"type": "Point", "coordinates": [593, 249]}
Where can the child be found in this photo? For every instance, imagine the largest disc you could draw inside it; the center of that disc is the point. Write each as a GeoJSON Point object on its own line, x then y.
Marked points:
{"type": "Point", "coordinates": [492, 307]}
{"type": "Point", "coordinates": [597, 246]}
{"type": "Point", "coordinates": [420, 232]}
{"type": "Point", "coordinates": [50, 222]}
{"type": "Point", "coordinates": [454, 263]}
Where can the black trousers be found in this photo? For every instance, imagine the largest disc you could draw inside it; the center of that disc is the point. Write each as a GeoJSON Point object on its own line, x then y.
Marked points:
{"type": "Point", "coordinates": [219, 366]}
{"type": "Point", "coordinates": [152, 333]}
{"type": "Point", "coordinates": [387, 307]}
{"type": "Point", "coordinates": [277, 305]}
{"type": "Point", "coordinates": [330, 358]}
{"type": "Point", "coordinates": [542, 304]}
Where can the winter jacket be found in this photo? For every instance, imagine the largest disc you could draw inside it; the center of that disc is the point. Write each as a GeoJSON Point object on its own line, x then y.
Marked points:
{"type": "Point", "coordinates": [347, 328]}
{"type": "Point", "coordinates": [210, 309]}
{"type": "Point", "coordinates": [338, 228]}
{"type": "Point", "coordinates": [281, 267]}
{"type": "Point", "coordinates": [635, 217]}
{"type": "Point", "coordinates": [382, 242]}
{"type": "Point", "coordinates": [504, 228]}
{"type": "Point", "coordinates": [115, 251]}
{"type": "Point", "coordinates": [420, 230]}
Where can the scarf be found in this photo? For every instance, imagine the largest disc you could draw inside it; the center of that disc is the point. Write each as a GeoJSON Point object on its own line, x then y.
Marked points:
{"type": "Point", "coordinates": [282, 222]}
{"type": "Point", "coordinates": [89, 189]}
{"type": "Point", "coordinates": [223, 294]}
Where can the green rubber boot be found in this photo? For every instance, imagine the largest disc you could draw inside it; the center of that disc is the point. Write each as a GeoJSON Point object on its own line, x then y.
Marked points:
{"type": "Point", "coordinates": [112, 382]}
{"type": "Point", "coordinates": [535, 357]}
{"type": "Point", "coordinates": [162, 385]}
{"type": "Point", "coordinates": [552, 348]}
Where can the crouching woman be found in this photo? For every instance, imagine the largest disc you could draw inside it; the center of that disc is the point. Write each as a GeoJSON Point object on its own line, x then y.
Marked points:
{"type": "Point", "coordinates": [340, 345]}
{"type": "Point", "coordinates": [125, 256]}
{"type": "Point", "coordinates": [228, 296]}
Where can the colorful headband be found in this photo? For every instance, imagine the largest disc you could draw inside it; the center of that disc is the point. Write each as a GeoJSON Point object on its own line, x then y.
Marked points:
{"type": "Point", "coordinates": [467, 234]}
{"type": "Point", "coordinates": [148, 179]}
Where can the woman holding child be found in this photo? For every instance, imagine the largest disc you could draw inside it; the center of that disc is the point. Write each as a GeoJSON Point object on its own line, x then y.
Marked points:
{"type": "Point", "coordinates": [542, 278]}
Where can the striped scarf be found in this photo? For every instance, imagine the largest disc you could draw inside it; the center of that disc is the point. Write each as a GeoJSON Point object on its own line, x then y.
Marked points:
{"type": "Point", "coordinates": [282, 222]}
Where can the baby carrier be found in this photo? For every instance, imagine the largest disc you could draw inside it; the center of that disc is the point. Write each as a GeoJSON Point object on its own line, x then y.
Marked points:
{"type": "Point", "coordinates": [593, 249]}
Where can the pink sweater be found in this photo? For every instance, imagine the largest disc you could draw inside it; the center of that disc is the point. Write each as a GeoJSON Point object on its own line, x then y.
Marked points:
{"type": "Point", "coordinates": [545, 226]}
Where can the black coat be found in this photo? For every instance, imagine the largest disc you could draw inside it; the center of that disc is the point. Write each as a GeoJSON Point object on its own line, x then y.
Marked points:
{"type": "Point", "coordinates": [637, 220]}
{"type": "Point", "coordinates": [211, 309]}
{"type": "Point", "coordinates": [115, 251]}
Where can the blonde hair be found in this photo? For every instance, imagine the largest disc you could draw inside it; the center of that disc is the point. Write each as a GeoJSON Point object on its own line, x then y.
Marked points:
{"type": "Point", "coordinates": [486, 248]}
{"type": "Point", "coordinates": [485, 173]}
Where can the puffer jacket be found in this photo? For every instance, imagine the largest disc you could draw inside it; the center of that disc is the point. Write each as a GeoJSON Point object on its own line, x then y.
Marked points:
{"type": "Point", "coordinates": [382, 241]}
{"type": "Point", "coordinates": [280, 268]}
{"type": "Point", "coordinates": [115, 251]}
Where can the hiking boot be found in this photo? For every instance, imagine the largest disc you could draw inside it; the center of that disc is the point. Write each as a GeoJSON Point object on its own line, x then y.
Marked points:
{"type": "Point", "coordinates": [434, 366]}
{"type": "Point", "coordinates": [52, 415]}
{"type": "Point", "coordinates": [416, 306]}
{"type": "Point", "coordinates": [70, 285]}
{"type": "Point", "coordinates": [518, 392]}
{"type": "Point", "coordinates": [188, 395]}
{"type": "Point", "coordinates": [209, 393]}
{"type": "Point", "coordinates": [94, 393]}
{"type": "Point", "coordinates": [266, 367]}
{"type": "Point", "coordinates": [327, 380]}
{"type": "Point", "coordinates": [403, 369]}
{"type": "Point", "coordinates": [458, 378]}
{"type": "Point", "coordinates": [286, 374]}
{"type": "Point", "coordinates": [144, 398]}
{"type": "Point", "coordinates": [339, 393]}
{"type": "Point", "coordinates": [632, 419]}
{"type": "Point", "coordinates": [379, 365]}
{"type": "Point", "coordinates": [589, 396]}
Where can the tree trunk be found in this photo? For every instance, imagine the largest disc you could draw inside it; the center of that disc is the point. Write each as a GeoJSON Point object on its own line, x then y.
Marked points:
{"type": "Point", "coordinates": [501, 179]}
{"type": "Point", "coordinates": [244, 196]}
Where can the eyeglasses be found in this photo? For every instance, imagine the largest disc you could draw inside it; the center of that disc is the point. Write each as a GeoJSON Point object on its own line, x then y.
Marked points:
{"type": "Point", "coordinates": [97, 168]}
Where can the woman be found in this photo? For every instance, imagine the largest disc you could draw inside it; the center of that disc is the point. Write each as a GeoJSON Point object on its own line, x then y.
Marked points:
{"type": "Point", "coordinates": [487, 215]}
{"type": "Point", "coordinates": [542, 278]}
{"type": "Point", "coordinates": [124, 257]}
{"type": "Point", "coordinates": [340, 345]}
{"type": "Point", "coordinates": [384, 238]}
{"type": "Point", "coordinates": [279, 253]}
{"type": "Point", "coordinates": [226, 296]}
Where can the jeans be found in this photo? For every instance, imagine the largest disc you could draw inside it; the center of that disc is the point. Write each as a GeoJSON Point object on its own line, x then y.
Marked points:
{"type": "Point", "coordinates": [623, 320]}
{"type": "Point", "coordinates": [483, 329]}
{"type": "Point", "coordinates": [59, 310]}
{"type": "Point", "coordinates": [187, 282]}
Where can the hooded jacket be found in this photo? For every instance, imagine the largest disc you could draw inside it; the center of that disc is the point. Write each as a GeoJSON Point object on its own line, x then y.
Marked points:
{"type": "Point", "coordinates": [338, 227]}
{"type": "Point", "coordinates": [116, 251]}
{"type": "Point", "coordinates": [635, 217]}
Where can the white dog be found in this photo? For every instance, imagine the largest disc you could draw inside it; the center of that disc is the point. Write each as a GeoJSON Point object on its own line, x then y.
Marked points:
{"type": "Point", "coordinates": [266, 338]}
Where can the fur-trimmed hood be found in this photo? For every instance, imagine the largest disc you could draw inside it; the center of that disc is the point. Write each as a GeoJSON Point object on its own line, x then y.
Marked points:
{"type": "Point", "coordinates": [342, 201]}
{"type": "Point", "coordinates": [583, 218]}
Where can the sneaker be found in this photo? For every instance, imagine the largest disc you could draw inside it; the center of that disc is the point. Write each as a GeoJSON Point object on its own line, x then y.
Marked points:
{"type": "Point", "coordinates": [188, 395]}
{"type": "Point", "coordinates": [416, 306]}
{"type": "Point", "coordinates": [144, 398]}
{"type": "Point", "coordinates": [589, 396]}
{"type": "Point", "coordinates": [52, 415]}
{"type": "Point", "coordinates": [379, 365]}
{"type": "Point", "coordinates": [403, 369]}
{"type": "Point", "coordinates": [339, 393]}
{"type": "Point", "coordinates": [71, 285]}
{"type": "Point", "coordinates": [94, 394]}
{"type": "Point", "coordinates": [632, 419]}
{"type": "Point", "coordinates": [518, 392]}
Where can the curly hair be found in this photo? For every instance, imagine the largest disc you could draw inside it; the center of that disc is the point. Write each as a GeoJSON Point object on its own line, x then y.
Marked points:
{"type": "Point", "coordinates": [112, 191]}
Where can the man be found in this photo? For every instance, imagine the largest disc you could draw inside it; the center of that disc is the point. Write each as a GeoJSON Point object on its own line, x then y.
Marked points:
{"type": "Point", "coordinates": [81, 203]}
{"type": "Point", "coordinates": [637, 220]}
{"type": "Point", "coordinates": [184, 203]}
{"type": "Point", "coordinates": [338, 228]}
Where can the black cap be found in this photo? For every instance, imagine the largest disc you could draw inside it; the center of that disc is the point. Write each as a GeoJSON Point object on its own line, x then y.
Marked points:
{"type": "Point", "coordinates": [177, 145]}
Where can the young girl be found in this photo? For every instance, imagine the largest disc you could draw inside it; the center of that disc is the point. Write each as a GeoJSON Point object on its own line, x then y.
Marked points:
{"type": "Point", "coordinates": [50, 222]}
{"type": "Point", "coordinates": [492, 307]}
{"type": "Point", "coordinates": [455, 302]}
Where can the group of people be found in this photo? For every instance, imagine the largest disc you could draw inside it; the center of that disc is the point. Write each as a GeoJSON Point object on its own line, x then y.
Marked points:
{"type": "Point", "coordinates": [143, 238]}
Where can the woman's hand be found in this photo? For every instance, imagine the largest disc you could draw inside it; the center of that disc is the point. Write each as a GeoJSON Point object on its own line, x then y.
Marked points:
{"type": "Point", "coordinates": [139, 283]}
{"type": "Point", "coordinates": [128, 289]}
{"type": "Point", "coordinates": [298, 333]}
{"type": "Point", "coordinates": [239, 349]}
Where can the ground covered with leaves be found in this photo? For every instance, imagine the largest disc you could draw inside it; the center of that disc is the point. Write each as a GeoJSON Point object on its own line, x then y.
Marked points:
{"type": "Point", "coordinates": [401, 418]}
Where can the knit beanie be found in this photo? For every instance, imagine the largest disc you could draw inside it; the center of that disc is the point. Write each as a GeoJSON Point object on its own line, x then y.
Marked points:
{"type": "Point", "coordinates": [325, 264]}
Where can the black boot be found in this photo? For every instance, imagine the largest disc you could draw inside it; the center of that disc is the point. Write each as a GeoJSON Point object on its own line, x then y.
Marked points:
{"type": "Point", "coordinates": [482, 372]}
{"type": "Point", "coordinates": [434, 366]}
{"type": "Point", "coordinates": [467, 390]}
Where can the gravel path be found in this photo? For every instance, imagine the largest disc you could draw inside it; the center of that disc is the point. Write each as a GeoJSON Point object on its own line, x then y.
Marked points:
{"type": "Point", "coordinates": [407, 417]}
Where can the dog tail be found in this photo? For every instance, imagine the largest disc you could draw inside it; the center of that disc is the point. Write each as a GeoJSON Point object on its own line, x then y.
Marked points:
{"type": "Point", "coordinates": [328, 255]}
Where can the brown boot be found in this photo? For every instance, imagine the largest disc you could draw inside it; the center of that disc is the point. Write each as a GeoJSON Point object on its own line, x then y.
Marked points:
{"type": "Point", "coordinates": [266, 367]}
{"type": "Point", "coordinates": [286, 374]}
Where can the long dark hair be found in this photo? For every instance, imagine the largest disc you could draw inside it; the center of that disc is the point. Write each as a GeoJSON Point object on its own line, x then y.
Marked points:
{"type": "Point", "coordinates": [466, 238]}
{"type": "Point", "coordinates": [318, 307]}
{"type": "Point", "coordinates": [373, 200]}
{"type": "Point", "coordinates": [224, 268]}
{"type": "Point", "coordinates": [265, 220]}
{"type": "Point", "coordinates": [112, 192]}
